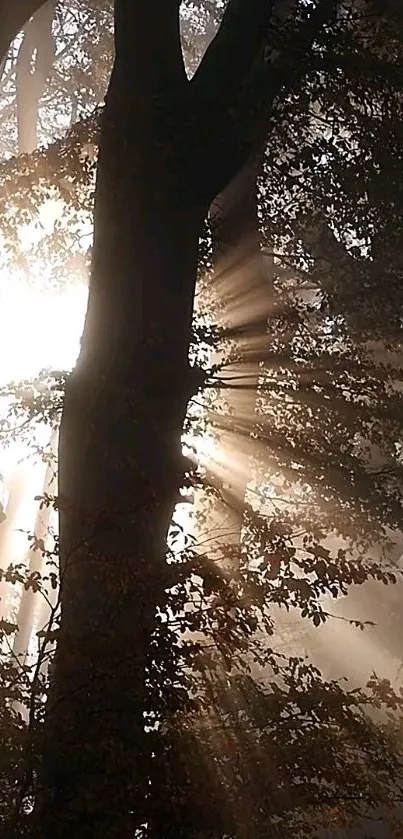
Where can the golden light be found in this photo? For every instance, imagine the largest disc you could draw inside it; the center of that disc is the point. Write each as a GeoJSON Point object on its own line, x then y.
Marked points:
{"type": "Point", "coordinates": [38, 329]}
{"type": "Point", "coordinates": [41, 327]}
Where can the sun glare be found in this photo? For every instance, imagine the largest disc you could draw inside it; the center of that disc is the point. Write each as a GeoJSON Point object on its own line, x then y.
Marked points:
{"type": "Point", "coordinates": [38, 329]}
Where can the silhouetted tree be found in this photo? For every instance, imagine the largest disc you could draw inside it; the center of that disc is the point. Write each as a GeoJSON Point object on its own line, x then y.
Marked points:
{"type": "Point", "coordinates": [167, 148]}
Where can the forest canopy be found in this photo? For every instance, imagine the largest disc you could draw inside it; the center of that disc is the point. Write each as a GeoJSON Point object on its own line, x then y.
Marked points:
{"type": "Point", "coordinates": [229, 465]}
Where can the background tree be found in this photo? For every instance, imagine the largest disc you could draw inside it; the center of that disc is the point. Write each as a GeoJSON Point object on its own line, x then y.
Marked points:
{"type": "Point", "coordinates": [34, 64]}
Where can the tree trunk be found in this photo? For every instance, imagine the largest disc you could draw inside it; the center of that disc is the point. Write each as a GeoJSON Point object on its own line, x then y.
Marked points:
{"type": "Point", "coordinates": [120, 469]}
{"type": "Point", "coordinates": [34, 64]}
{"type": "Point", "coordinates": [120, 461]}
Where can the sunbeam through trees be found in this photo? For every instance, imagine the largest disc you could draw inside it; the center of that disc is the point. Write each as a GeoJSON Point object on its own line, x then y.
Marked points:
{"type": "Point", "coordinates": [201, 419]}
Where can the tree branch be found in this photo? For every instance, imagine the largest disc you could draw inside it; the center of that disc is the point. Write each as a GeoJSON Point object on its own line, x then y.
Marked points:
{"type": "Point", "coordinates": [231, 54]}
{"type": "Point", "coordinates": [241, 129]}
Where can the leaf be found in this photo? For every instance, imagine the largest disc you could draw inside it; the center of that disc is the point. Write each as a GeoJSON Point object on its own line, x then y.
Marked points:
{"type": "Point", "coordinates": [7, 627]}
{"type": "Point", "coordinates": [53, 580]}
{"type": "Point", "coordinates": [320, 569]}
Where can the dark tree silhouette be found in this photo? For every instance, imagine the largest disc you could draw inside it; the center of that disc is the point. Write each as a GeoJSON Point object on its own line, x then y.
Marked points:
{"type": "Point", "coordinates": [167, 148]}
